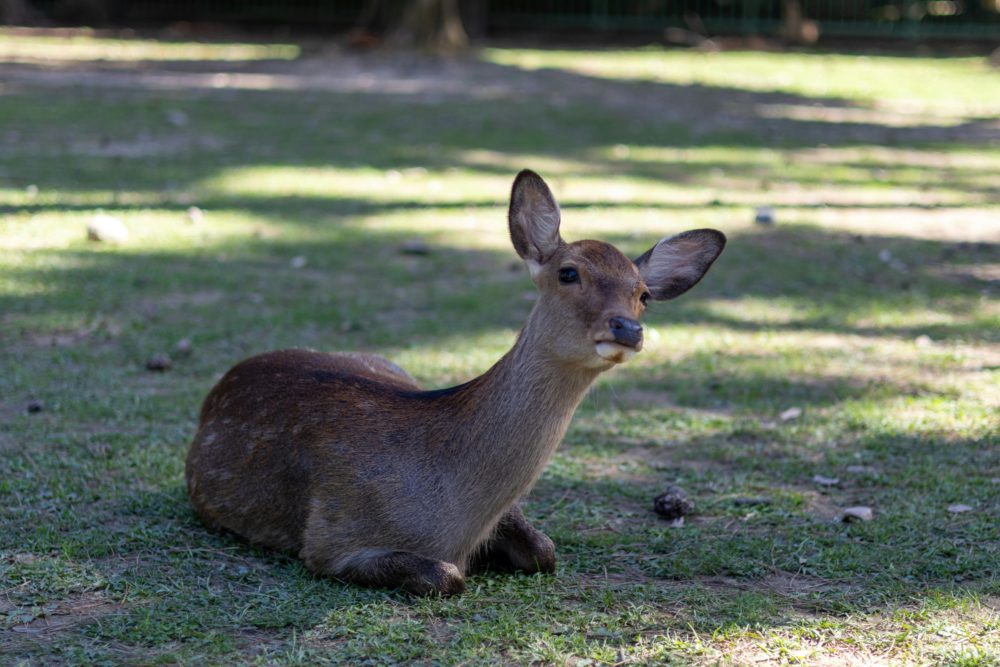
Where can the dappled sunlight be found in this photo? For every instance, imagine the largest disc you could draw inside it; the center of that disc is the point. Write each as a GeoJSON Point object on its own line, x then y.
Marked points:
{"type": "Point", "coordinates": [653, 184]}
{"type": "Point", "coordinates": [842, 115]}
{"type": "Point", "coordinates": [166, 230]}
{"type": "Point", "coordinates": [947, 627]}
{"type": "Point", "coordinates": [889, 81]}
{"type": "Point", "coordinates": [18, 45]}
{"type": "Point", "coordinates": [862, 317]}
{"type": "Point", "coordinates": [452, 360]}
{"type": "Point", "coordinates": [415, 185]}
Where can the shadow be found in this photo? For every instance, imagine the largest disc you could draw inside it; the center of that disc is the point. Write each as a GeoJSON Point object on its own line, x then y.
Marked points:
{"type": "Point", "coordinates": [385, 112]}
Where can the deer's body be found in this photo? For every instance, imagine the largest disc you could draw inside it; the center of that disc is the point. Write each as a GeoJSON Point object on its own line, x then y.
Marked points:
{"type": "Point", "coordinates": [344, 460]}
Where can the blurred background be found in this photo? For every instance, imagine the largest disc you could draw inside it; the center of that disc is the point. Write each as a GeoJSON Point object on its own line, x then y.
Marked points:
{"type": "Point", "coordinates": [799, 21]}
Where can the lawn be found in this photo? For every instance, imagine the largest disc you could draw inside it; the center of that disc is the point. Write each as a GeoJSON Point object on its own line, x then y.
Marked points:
{"type": "Point", "coordinates": [274, 195]}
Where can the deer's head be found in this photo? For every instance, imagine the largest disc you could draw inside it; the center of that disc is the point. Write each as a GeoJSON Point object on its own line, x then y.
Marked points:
{"type": "Point", "coordinates": [592, 295]}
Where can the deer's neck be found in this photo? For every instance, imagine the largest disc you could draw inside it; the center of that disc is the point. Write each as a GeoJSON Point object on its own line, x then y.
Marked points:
{"type": "Point", "coordinates": [511, 419]}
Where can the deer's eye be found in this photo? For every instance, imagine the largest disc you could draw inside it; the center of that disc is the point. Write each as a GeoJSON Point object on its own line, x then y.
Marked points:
{"type": "Point", "coordinates": [644, 298]}
{"type": "Point", "coordinates": [568, 275]}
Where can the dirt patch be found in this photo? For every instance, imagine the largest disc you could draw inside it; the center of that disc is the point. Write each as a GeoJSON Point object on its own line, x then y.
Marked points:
{"type": "Point", "coordinates": [59, 616]}
{"type": "Point", "coordinates": [146, 145]}
{"type": "Point", "coordinates": [9, 410]}
{"type": "Point", "coordinates": [753, 652]}
{"type": "Point", "coordinates": [63, 338]}
{"type": "Point", "coordinates": [822, 506]}
{"type": "Point", "coordinates": [439, 631]}
{"type": "Point", "coordinates": [985, 273]}
{"type": "Point", "coordinates": [255, 642]}
{"type": "Point", "coordinates": [631, 576]}
{"type": "Point", "coordinates": [778, 583]}
{"type": "Point", "coordinates": [180, 300]}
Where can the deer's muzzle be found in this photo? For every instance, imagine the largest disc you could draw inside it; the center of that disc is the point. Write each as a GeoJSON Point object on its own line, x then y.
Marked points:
{"type": "Point", "coordinates": [626, 331]}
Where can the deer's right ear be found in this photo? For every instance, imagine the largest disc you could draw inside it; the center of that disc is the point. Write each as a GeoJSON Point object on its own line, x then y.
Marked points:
{"type": "Point", "coordinates": [677, 263]}
{"type": "Point", "coordinates": [534, 220]}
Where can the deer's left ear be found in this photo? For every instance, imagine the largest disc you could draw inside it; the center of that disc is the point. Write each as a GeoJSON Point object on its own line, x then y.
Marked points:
{"type": "Point", "coordinates": [534, 220]}
{"type": "Point", "coordinates": [677, 263]}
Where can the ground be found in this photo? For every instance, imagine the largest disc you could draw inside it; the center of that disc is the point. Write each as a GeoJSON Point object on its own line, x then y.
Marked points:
{"type": "Point", "coordinates": [848, 354]}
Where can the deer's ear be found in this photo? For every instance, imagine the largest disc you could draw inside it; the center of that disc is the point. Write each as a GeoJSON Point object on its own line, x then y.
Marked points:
{"type": "Point", "coordinates": [677, 263]}
{"type": "Point", "coordinates": [533, 219]}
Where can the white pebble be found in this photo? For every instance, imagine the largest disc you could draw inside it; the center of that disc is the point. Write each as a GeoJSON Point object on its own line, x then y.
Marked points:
{"type": "Point", "coordinates": [105, 228]}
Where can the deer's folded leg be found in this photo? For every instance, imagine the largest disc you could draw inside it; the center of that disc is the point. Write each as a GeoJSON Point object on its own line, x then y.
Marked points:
{"type": "Point", "coordinates": [517, 546]}
{"type": "Point", "coordinates": [382, 568]}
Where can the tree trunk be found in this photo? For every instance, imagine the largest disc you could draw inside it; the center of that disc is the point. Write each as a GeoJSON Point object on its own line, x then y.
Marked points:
{"type": "Point", "coordinates": [18, 12]}
{"type": "Point", "coordinates": [431, 25]}
{"type": "Point", "coordinates": [796, 28]}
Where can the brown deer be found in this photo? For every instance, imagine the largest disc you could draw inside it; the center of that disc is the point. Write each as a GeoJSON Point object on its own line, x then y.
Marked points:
{"type": "Point", "coordinates": [344, 460]}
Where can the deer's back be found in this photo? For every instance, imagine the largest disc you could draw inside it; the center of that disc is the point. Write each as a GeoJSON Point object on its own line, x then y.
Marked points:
{"type": "Point", "coordinates": [282, 426]}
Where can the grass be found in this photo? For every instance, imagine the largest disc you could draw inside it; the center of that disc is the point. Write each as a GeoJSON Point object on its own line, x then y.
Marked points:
{"type": "Point", "coordinates": [871, 305]}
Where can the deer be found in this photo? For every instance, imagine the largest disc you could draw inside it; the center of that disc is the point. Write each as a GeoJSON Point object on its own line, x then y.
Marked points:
{"type": "Point", "coordinates": [345, 461]}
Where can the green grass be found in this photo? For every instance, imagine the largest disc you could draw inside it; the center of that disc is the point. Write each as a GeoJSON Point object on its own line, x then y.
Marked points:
{"type": "Point", "coordinates": [872, 305]}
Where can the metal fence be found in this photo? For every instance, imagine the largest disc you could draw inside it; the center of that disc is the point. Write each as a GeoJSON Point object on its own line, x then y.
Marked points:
{"type": "Point", "coordinates": [913, 19]}
{"type": "Point", "coordinates": [910, 19]}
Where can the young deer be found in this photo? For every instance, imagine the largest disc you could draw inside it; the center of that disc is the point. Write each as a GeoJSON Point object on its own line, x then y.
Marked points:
{"type": "Point", "coordinates": [344, 460]}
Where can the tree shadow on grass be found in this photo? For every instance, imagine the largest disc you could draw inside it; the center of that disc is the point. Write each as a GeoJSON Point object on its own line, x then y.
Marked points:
{"type": "Point", "coordinates": [359, 290]}
{"type": "Point", "coordinates": [391, 114]}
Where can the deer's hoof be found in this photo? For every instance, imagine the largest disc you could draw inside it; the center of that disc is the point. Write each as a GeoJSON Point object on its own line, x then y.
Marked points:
{"type": "Point", "coordinates": [543, 553]}
{"type": "Point", "coordinates": [438, 578]}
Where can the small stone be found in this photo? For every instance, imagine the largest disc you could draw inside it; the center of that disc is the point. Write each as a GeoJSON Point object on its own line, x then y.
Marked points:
{"type": "Point", "coordinates": [183, 346]}
{"type": "Point", "coordinates": [620, 151]}
{"type": "Point", "coordinates": [195, 214]}
{"type": "Point", "coordinates": [859, 513]}
{"type": "Point", "coordinates": [673, 504]}
{"type": "Point", "coordinates": [826, 481]}
{"type": "Point", "coordinates": [885, 256]}
{"type": "Point", "coordinates": [298, 262]}
{"type": "Point", "coordinates": [34, 407]}
{"type": "Point", "coordinates": [790, 414]}
{"type": "Point", "coordinates": [105, 228]}
{"type": "Point", "coordinates": [959, 508]}
{"type": "Point", "coordinates": [31, 191]}
{"type": "Point", "coordinates": [764, 215]}
{"type": "Point", "coordinates": [159, 362]}
{"type": "Point", "coordinates": [415, 247]}
{"type": "Point", "coordinates": [923, 341]}
{"type": "Point", "coordinates": [177, 118]}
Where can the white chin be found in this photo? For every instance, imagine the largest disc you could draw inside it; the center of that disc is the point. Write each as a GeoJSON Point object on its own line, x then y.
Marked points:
{"type": "Point", "coordinates": [614, 352]}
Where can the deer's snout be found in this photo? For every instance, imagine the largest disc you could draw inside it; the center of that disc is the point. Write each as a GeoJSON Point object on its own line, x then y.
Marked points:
{"type": "Point", "coordinates": [626, 331]}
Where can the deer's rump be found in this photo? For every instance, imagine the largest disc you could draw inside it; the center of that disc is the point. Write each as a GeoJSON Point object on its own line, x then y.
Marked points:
{"type": "Point", "coordinates": [253, 464]}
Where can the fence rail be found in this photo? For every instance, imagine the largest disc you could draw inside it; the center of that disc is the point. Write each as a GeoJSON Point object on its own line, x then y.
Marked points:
{"type": "Point", "coordinates": [909, 19]}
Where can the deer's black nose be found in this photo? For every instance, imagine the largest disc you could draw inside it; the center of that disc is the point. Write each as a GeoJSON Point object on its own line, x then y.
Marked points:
{"type": "Point", "coordinates": [626, 331]}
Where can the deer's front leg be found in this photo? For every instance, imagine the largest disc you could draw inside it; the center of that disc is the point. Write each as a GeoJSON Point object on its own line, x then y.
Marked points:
{"type": "Point", "coordinates": [381, 568]}
{"type": "Point", "coordinates": [517, 546]}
